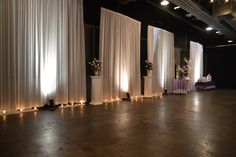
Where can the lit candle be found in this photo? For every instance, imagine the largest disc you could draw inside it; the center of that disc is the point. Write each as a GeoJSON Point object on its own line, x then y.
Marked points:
{"type": "Point", "coordinates": [21, 109]}
{"type": "Point", "coordinates": [82, 102]}
{"type": "Point", "coordinates": [35, 108]}
{"type": "Point", "coordinates": [4, 111]}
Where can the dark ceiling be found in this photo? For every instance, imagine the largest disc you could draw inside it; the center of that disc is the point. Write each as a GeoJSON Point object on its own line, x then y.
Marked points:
{"type": "Point", "coordinates": [219, 14]}
{"type": "Point", "coordinates": [150, 12]}
{"type": "Point", "coordinates": [205, 4]}
{"type": "Point", "coordinates": [224, 11]}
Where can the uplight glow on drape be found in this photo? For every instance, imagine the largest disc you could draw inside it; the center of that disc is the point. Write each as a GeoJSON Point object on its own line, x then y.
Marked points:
{"type": "Point", "coordinates": [120, 54]}
{"type": "Point", "coordinates": [196, 56]}
{"type": "Point", "coordinates": [42, 52]}
{"type": "Point", "coordinates": [161, 54]}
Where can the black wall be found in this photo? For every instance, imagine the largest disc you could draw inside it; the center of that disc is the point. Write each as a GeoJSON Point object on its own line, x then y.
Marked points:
{"type": "Point", "coordinates": [221, 64]}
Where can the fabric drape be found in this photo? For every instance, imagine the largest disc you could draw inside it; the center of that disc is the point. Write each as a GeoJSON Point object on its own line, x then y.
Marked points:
{"type": "Point", "coordinates": [196, 57]}
{"type": "Point", "coordinates": [161, 54]}
{"type": "Point", "coordinates": [41, 52]}
{"type": "Point", "coordinates": [120, 54]}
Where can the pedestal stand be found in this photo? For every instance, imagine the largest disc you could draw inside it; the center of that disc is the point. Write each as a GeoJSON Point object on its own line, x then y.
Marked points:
{"type": "Point", "coordinates": [147, 86]}
{"type": "Point", "coordinates": [96, 90]}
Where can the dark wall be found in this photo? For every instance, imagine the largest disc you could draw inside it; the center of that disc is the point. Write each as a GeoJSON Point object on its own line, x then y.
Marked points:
{"type": "Point", "coordinates": [91, 51]}
{"type": "Point", "coordinates": [221, 64]}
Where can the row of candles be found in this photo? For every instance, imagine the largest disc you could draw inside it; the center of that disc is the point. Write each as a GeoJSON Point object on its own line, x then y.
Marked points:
{"type": "Point", "coordinates": [81, 102]}
{"type": "Point", "coordinates": [132, 98]}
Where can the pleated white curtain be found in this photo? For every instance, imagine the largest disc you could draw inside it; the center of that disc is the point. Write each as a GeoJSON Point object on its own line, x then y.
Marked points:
{"type": "Point", "coordinates": [196, 57]}
{"type": "Point", "coordinates": [120, 54]}
{"type": "Point", "coordinates": [42, 52]}
{"type": "Point", "coordinates": [161, 54]}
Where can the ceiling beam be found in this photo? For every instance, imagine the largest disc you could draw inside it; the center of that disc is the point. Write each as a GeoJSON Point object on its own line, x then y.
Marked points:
{"type": "Point", "coordinates": [196, 11]}
{"type": "Point", "coordinates": [152, 2]}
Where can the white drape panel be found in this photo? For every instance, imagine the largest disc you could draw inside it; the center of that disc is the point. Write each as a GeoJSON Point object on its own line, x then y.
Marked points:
{"type": "Point", "coordinates": [161, 54]}
{"type": "Point", "coordinates": [120, 54]}
{"type": "Point", "coordinates": [196, 57]}
{"type": "Point", "coordinates": [77, 65]}
{"type": "Point", "coordinates": [42, 52]}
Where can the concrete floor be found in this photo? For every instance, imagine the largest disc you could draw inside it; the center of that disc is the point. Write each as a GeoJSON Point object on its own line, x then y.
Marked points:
{"type": "Point", "coordinates": [193, 125]}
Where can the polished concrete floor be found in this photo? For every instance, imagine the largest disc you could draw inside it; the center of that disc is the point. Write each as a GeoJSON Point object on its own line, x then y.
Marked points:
{"type": "Point", "coordinates": [193, 125]}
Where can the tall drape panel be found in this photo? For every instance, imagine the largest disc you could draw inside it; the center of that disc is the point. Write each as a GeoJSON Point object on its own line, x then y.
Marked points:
{"type": "Point", "coordinates": [161, 54]}
{"type": "Point", "coordinates": [120, 54]}
{"type": "Point", "coordinates": [41, 52]}
{"type": "Point", "coordinates": [77, 64]}
{"type": "Point", "coordinates": [196, 57]}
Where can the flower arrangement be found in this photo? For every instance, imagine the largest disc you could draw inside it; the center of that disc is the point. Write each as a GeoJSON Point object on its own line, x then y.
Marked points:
{"type": "Point", "coordinates": [96, 66]}
{"type": "Point", "coordinates": [183, 72]}
{"type": "Point", "coordinates": [148, 65]}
